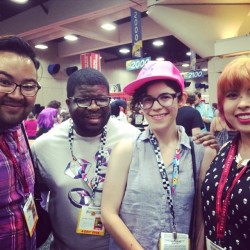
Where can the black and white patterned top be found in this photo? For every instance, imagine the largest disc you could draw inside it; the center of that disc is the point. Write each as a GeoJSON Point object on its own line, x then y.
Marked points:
{"type": "Point", "coordinates": [237, 231]}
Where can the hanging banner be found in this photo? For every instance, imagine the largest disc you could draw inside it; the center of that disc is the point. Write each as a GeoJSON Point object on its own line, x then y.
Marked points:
{"type": "Point", "coordinates": [136, 33]}
{"type": "Point", "coordinates": [137, 63]}
{"type": "Point", "coordinates": [192, 60]}
{"type": "Point", "coordinates": [91, 60]}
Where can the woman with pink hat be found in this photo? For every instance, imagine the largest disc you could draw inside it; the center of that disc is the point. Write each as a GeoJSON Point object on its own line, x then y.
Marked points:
{"type": "Point", "coordinates": [151, 182]}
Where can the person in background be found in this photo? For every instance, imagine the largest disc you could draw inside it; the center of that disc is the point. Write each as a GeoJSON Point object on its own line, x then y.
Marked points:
{"type": "Point", "coordinates": [205, 110]}
{"type": "Point", "coordinates": [123, 109]}
{"type": "Point", "coordinates": [46, 120]}
{"type": "Point", "coordinates": [188, 117]}
{"type": "Point", "coordinates": [221, 130]}
{"type": "Point", "coordinates": [116, 111]}
{"type": "Point", "coordinates": [226, 187]}
{"type": "Point", "coordinates": [137, 118]}
{"type": "Point", "coordinates": [18, 89]}
{"type": "Point", "coordinates": [54, 104]}
{"type": "Point", "coordinates": [149, 188]}
{"type": "Point", "coordinates": [30, 125]}
{"type": "Point", "coordinates": [215, 109]}
{"type": "Point", "coordinates": [71, 161]}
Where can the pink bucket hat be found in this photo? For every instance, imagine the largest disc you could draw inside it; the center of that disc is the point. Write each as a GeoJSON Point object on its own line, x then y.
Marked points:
{"type": "Point", "coordinates": [155, 70]}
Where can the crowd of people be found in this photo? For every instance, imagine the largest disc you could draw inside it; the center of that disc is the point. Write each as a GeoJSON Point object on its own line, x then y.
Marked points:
{"type": "Point", "coordinates": [114, 185]}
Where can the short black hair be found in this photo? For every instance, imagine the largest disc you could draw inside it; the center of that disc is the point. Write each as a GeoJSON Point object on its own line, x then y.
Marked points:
{"type": "Point", "coordinates": [198, 94]}
{"type": "Point", "coordinates": [115, 109]}
{"type": "Point", "coordinates": [19, 46]}
{"type": "Point", "coordinates": [86, 76]}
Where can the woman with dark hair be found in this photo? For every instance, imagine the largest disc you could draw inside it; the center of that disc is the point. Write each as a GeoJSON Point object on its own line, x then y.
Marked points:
{"type": "Point", "coordinates": [150, 184]}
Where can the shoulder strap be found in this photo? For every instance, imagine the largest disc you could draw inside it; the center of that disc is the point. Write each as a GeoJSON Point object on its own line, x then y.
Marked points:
{"type": "Point", "coordinates": [37, 194]}
{"type": "Point", "coordinates": [192, 222]}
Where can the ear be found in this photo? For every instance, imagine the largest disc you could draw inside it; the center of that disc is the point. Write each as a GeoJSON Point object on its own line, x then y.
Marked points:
{"type": "Point", "coordinates": [183, 99]}
{"type": "Point", "coordinates": [67, 102]}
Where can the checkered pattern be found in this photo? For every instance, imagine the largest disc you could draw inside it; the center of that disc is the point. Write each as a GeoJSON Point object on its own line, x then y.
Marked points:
{"type": "Point", "coordinates": [163, 173]}
{"type": "Point", "coordinates": [100, 153]}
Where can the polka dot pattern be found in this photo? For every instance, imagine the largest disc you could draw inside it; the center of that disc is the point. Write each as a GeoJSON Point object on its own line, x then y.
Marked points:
{"type": "Point", "coordinates": [237, 233]}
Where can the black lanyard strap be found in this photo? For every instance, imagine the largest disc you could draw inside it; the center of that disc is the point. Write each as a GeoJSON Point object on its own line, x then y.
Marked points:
{"type": "Point", "coordinates": [164, 176]}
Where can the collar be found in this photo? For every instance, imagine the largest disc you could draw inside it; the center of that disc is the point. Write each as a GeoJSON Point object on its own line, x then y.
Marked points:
{"type": "Point", "coordinates": [184, 139]}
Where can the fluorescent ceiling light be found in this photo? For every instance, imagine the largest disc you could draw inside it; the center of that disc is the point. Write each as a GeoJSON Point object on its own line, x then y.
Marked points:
{"type": "Point", "coordinates": [124, 51]}
{"type": "Point", "coordinates": [185, 65]}
{"type": "Point", "coordinates": [41, 46]}
{"type": "Point", "coordinates": [158, 43]}
{"type": "Point", "coordinates": [188, 53]}
{"type": "Point", "coordinates": [160, 59]}
{"type": "Point", "coordinates": [71, 37]}
{"type": "Point", "coordinates": [108, 26]}
{"type": "Point", "coordinates": [204, 69]}
{"type": "Point", "coordinates": [19, 1]}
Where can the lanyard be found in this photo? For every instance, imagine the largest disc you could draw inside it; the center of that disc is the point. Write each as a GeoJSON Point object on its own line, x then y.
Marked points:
{"type": "Point", "coordinates": [164, 177]}
{"type": "Point", "coordinates": [222, 209]}
{"type": "Point", "coordinates": [100, 157]}
{"type": "Point", "coordinates": [6, 150]}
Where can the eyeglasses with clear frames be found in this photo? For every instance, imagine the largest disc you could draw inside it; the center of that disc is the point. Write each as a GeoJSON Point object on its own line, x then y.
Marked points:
{"type": "Point", "coordinates": [164, 99]}
{"type": "Point", "coordinates": [27, 89]}
{"type": "Point", "coordinates": [84, 102]}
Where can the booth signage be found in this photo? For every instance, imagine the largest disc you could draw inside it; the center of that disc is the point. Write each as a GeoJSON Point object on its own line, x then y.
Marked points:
{"type": "Point", "coordinates": [137, 63]}
{"type": "Point", "coordinates": [194, 74]}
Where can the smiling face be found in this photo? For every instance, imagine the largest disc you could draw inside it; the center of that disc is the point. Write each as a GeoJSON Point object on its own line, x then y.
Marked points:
{"type": "Point", "coordinates": [236, 108]}
{"type": "Point", "coordinates": [15, 107]}
{"type": "Point", "coordinates": [89, 121]}
{"type": "Point", "coordinates": [160, 117]}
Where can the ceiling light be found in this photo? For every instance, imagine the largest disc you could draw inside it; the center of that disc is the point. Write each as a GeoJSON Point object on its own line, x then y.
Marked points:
{"type": "Point", "coordinates": [124, 51]}
{"type": "Point", "coordinates": [19, 1]}
{"type": "Point", "coordinates": [160, 59]}
{"type": "Point", "coordinates": [108, 26]}
{"type": "Point", "coordinates": [158, 43]}
{"type": "Point", "coordinates": [41, 46]}
{"type": "Point", "coordinates": [188, 53]}
{"type": "Point", "coordinates": [71, 37]}
{"type": "Point", "coordinates": [204, 69]}
{"type": "Point", "coordinates": [185, 65]}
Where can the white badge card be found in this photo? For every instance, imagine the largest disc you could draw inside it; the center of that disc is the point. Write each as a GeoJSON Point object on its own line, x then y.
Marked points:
{"type": "Point", "coordinates": [89, 221]}
{"type": "Point", "coordinates": [167, 242]}
{"type": "Point", "coordinates": [212, 246]}
{"type": "Point", "coordinates": [30, 214]}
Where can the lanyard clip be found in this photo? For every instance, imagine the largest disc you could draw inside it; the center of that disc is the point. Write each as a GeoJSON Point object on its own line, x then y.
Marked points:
{"type": "Point", "coordinates": [174, 233]}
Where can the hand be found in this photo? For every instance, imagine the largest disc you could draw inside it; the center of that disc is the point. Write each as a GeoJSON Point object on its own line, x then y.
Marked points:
{"type": "Point", "coordinates": [207, 139]}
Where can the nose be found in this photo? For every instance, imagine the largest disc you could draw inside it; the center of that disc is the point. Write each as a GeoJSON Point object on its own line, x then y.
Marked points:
{"type": "Point", "coordinates": [156, 104]}
{"type": "Point", "coordinates": [17, 92]}
{"type": "Point", "coordinates": [93, 105]}
{"type": "Point", "coordinates": [244, 101]}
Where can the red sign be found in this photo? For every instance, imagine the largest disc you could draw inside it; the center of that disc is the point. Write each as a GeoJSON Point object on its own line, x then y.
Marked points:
{"type": "Point", "coordinates": [90, 60]}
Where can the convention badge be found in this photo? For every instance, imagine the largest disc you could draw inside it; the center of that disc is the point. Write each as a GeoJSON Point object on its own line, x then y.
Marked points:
{"type": "Point", "coordinates": [212, 246]}
{"type": "Point", "coordinates": [89, 221]}
{"type": "Point", "coordinates": [168, 242]}
{"type": "Point", "coordinates": [30, 214]}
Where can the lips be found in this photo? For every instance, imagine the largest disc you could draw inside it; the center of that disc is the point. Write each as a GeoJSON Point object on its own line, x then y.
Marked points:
{"type": "Point", "coordinates": [158, 116]}
{"type": "Point", "coordinates": [243, 118]}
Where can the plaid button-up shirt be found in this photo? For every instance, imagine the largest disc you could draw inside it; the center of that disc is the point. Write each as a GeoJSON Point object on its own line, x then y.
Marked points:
{"type": "Point", "coordinates": [13, 229]}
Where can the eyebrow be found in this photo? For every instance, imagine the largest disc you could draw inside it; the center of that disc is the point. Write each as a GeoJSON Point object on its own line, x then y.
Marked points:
{"type": "Point", "coordinates": [12, 78]}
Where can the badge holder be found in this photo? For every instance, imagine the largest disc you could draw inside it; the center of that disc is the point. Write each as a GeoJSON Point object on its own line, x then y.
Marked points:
{"type": "Point", "coordinates": [30, 214]}
{"type": "Point", "coordinates": [89, 221]}
{"type": "Point", "coordinates": [168, 241]}
{"type": "Point", "coordinates": [212, 246]}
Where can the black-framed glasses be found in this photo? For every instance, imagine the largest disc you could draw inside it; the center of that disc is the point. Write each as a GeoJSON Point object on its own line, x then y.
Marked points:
{"type": "Point", "coordinates": [165, 100]}
{"type": "Point", "coordinates": [84, 102]}
{"type": "Point", "coordinates": [27, 88]}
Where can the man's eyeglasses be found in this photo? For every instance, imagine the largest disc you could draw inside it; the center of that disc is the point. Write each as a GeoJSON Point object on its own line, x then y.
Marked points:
{"type": "Point", "coordinates": [165, 100]}
{"type": "Point", "coordinates": [84, 102]}
{"type": "Point", "coordinates": [27, 88]}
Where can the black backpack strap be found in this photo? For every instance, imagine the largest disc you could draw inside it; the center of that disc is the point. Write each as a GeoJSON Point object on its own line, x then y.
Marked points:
{"type": "Point", "coordinates": [192, 223]}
